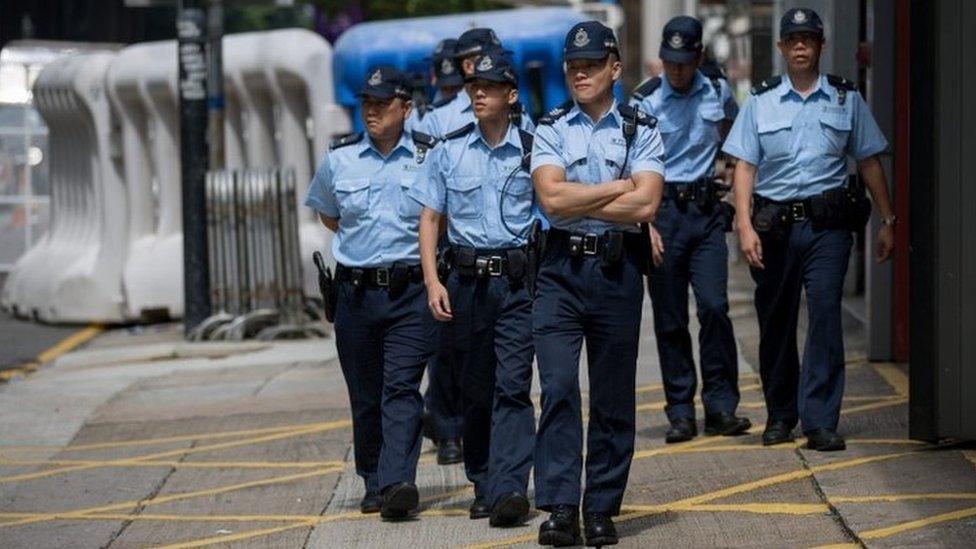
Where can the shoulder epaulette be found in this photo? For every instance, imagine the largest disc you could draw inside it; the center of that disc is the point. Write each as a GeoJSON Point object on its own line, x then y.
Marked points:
{"type": "Point", "coordinates": [767, 85]}
{"type": "Point", "coordinates": [646, 88]}
{"type": "Point", "coordinates": [422, 139]}
{"type": "Point", "coordinates": [346, 140]}
{"type": "Point", "coordinates": [841, 83]}
{"type": "Point", "coordinates": [424, 109]}
{"type": "Point", "coordinates": [556, 113]}
{"type": "Point", "coordinates": [640, 117]}
{"type": "Point", "coordinates": [441, 102]}
{"type": "Point", "coordinates": [463, 130]}
{"type": "Point", "coordinates": [525, 138]}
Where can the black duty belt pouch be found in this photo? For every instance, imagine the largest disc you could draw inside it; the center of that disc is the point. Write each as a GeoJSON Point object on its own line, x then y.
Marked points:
{"type": "Point", "coordinates": [858, 207]}
{"type": "Point", "coordinates": [534, 252]}
{"type": "Point", "coordinates": [327, 286]}
{"type": "Point", "coordinates": [399, 279]}
{"type": "Point", "coordinates": [465, 260]}
{"type": "Point", "coordinates": [444, 256]}
{"type": "Point", "coordinates": [613, 250]}
{"type": "Point", "coordinates": [518, 268]}
{"type": "Point", "coordinates": [770, 219]}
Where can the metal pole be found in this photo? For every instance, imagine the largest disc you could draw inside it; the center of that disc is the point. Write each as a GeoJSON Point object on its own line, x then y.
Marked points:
{"type": "Point", "coordinates": [215, 83]}
{"type": "Point", "coordinates": [191, 35]}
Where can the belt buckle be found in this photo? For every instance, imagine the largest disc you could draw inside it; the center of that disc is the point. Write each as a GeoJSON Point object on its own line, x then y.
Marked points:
{"type": "Point", "coordinates": [495, 265]}
{"type": "Point", "coordinates": [589, 244]}
{"type": "Point", "coordinates": [383, 277]}
{"type": "Point", "coordinates": [798, 211]}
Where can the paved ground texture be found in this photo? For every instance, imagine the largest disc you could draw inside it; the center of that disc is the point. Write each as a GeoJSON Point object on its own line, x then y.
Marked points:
{"type": "Point", "coordinates": [140, 440]}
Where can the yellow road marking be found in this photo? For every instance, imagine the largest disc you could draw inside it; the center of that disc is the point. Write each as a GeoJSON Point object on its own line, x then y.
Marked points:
{"type": "Point", "coordinates": [888, 498]}
{"type": "Point", "coordinates": [894, 376]}
{"type": "Point", "coordinates": [916, 524]}
{"type": "Point", "coordinates": [181, 452]}
{"type": "Point", "coordinates": [177, 464]}
{"type": "Point", "coordinates": [53, 352]}
{"type": "Point", "coordinates": [41, 517]}
{"type": "Point", "coordinates": [235, 537]}
{"type": "Point", "coordinates": [759, 508]}
{"type": "Point", "coordinates": [874, 406]}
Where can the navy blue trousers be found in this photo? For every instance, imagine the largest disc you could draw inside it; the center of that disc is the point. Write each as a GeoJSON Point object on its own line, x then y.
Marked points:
{"type": "Point", "coordinates": [577, 300]}
{"type": "Point", "coordinates": [442, 399]}
{"type": "Point", "coordinates": [815, 261]}
{"type": "Point", "coordinates": [383, 345]}
{"type": "Point", "coordinates": [492, 343]}
{"type": "Point", "coordinates": [694, 251]}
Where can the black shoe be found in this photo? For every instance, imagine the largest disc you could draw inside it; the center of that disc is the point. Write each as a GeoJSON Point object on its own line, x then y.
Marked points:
{"type": "Point", "coordinates": [399, 500]}
{"type": "Point", "coordinates": [682, 429]}
{"type": "Point", "coordinates": [371, 503]}
{"type": "Point", "coordinates": [599, 530]}
{"type": "Point", "coordinates": [726, 424]}
{"type": "Point", "coordinates": [777, 432]}
{"type": "Point", "coordinates": [479, 508]}
{"type": "Point", "coordinates": [562, 529]}
{"type": "Point", "coordinates": [510, 510]}
{"type": "Point", "coordinates": [825, 440]}
{"type": "Point", "coordinates": [449, 452]}
{"type": "Point", "coordinates": [427, 427]}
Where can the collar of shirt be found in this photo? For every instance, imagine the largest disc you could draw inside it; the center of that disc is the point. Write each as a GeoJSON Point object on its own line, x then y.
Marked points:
{"type": "Point", "coordinates": [511, 138]}
{"type": "Point", "coordinates": [405, 143]}
{"type": "Point", "coordinates": [463, 100]}
{"type": "Point", "coordinates": [697, 85]}
{"type": "Point", "coordinates": [787, 91]}
{"type": "Point", "coordinates": [577, 113]}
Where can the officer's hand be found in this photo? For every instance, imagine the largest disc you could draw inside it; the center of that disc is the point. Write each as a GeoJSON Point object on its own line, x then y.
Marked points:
{"type": "Point", "coordinates": [657, 247]}
{"type": "Point", "coordinates": [438, 302]}
{"type": "Point", "coordinates": [751, 246]}
{"type": "Point", "coordinates": [885, 243]}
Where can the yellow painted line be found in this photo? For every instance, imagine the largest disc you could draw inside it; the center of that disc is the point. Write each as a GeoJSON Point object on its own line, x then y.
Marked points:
{"type": "Point", "coordinates": [125, 505]}
{"type": "Point", "coordinates": [53, 352]}
{"type": "Point", "coordinates": [874, 406]}
{"type": "Point", "coordinates": [176, 464]}
{"type": "Point", "coordinates": [894, 376]}
{"type": "Point", "coordinates": [839, 546]}
{"type": "Point", "coordinates": [757, 508]}
{"type": "Point", "coordinates": [180, 452]}
{"type": "Point", "coordinates": [235, 537]}
{"type": "Point", "coordinates": [651, 387]}
{"type": "Point", "coordinates": [185, 438]}
{"type": "Point", "coordinates": [890, 498]}
{"type": "Point", "coordinates": [676, 448]}
{"type": "Point", "coordinates": [916, 524]}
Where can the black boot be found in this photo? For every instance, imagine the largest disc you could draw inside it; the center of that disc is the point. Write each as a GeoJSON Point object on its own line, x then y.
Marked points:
{"type": "Point", "coordinates": [479, 508]}
{"type": "Point", "coordinates": [726, 424]}
{"type": "Point", "coordinates": [599, 530]}
{"type": "Point", "coordinates": [682, 429]}
{"type": "Point", "coordinates": [449, 452]}
{"type": "Point", "coordinates": [562, 529]}
{"type": "Point", "coordinates": [777, 432]}
{"type": "Point", "coordinates": [399, 500]}
{"type": "Point", "coordinates": [510, 510]}
{"type": "Point", "coordinates": [825, 440]}
{"type": "Point", "coordinates": [371, 503]}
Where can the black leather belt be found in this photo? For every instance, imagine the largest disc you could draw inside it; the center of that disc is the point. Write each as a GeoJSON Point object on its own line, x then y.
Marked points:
{"type": "Point", "coordinates": [795, 210]}
{"type": "Point", "coordinates": [684, 192]}
{"type": "Point", "coordinates": [588, 244]}
{"type": "Point", "coordinates": [481, 263]}
{"type": "Point", "coordinates": [375, 277]}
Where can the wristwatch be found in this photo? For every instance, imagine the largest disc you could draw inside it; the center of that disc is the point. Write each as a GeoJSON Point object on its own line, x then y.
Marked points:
{"type": "Point", "coordinates": [890, 221]}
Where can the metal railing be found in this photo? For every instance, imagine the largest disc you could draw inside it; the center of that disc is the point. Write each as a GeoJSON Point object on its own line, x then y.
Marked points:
{"type": "Point", "coordinates": [255, 259]}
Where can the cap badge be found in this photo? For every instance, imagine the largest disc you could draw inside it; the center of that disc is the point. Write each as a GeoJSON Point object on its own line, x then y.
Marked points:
{"type": "Point", "coordinates": [799, 16]}
{"type": "Point", "coordinates": [676, 41]}
{"type": "Point", "coordinates": [485, 64]}
{"type": "Point", "coordinates": [447, 67]}
{"type": "Point", "coordinates": [581, 39]}
{"type": "Point", "coordinates": [376, 79]}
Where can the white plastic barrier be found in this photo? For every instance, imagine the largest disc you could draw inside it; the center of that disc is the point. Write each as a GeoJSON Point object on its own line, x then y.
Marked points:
{"type": "Point", "coordinates": [74, 273]}
{"type": "Point", "coordinates": [114, 252]}
{"type": "Point", "coordinates": [142, 85]}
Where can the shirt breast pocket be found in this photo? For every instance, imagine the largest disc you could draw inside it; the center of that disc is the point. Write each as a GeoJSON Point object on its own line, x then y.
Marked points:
{"type": "Point", "coordinates": [575, 157]}
{"type": "Point", "coordinates": [517, 199]}
{"type": "Point", "coordinates": [465, 197]}
{"type": "Point", "coordinates": [407, 207]}
{"type": "Point", "coordinates": [352, 195]}
{"type": "Point", "coordinates": [835, 131]}
{"type": "Point", "coordinates": [775, 137]}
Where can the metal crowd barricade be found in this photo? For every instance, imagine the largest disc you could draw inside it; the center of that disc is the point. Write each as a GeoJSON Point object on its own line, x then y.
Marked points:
{"type": "Point", "coordinates": [255, 258]}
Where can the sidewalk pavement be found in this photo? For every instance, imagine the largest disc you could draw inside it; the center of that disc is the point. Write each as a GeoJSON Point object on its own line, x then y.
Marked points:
{"type": "Point", "coordinates": [141, 439]}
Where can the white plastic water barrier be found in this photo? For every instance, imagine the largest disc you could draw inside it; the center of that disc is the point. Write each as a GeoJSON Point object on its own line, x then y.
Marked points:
{"type": "Point", "coordinates": [114, 252]}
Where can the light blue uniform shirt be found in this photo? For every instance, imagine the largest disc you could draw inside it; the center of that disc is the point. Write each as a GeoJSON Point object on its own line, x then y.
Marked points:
{"type": "Point", "coordinates": [800, 147]}
{"type": "Point", "coordinates": [593, 152]}
{"type": "Point", "coordinates": [367, 192]}
{"type": "Point", "coordinates": [455, 114]}
{"type": "Point", "coordinates": [464, 179]}
{"type": "Point", "coordinates": [690, 125]}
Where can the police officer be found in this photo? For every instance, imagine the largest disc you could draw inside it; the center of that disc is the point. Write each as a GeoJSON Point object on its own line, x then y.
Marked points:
{"type": "Point", "coordinates": [478, 180]}
{"type": "Point", "coordinates": [692, 112]}
{"type": "Point", "coordinates": [442, 399]}
{"type": "Point", "coordinates": [458, 112]}
{"type": "Point", "coordinates": [793, 138]}
{"type": "Point", "coordinates": [382, 326]}
{"type": "Point", "coordinates": [598, 172]}
{"type": "Point", "coordinates": [445, 76]}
